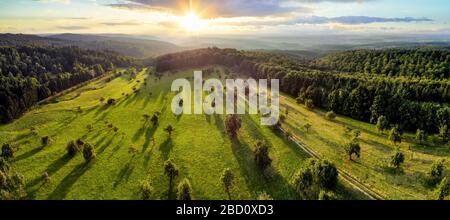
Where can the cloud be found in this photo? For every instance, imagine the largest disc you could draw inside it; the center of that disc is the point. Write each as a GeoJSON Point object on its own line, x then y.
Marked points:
{"type": "Point", "coordinates": [53, 1]}
{"type": "Point", "coordinates": [354, 20]}
{"type": "Point", "coordinates": [73, 28]}
{"type": "Point", "coordinates": [124, 23]}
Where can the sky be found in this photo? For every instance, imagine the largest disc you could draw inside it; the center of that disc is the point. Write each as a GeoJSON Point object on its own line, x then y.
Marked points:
{"type": "Point", "coordinates": [225, 17]}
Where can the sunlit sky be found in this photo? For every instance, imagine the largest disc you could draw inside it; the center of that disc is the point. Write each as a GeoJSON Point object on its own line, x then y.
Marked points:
{"type": "Point", "coordinates": [215, 17]}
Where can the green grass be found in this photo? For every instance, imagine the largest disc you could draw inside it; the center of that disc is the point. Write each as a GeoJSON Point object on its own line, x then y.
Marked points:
{"type": "Point", "coordinates": [199, 147]}
{"type": "Point", "coordinates": [328, 139]}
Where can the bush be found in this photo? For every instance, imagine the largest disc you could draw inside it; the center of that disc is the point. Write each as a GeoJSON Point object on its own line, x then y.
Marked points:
{"type": "Point", "coordinates": [264, 196]}
{"type": "Point", "coordinates": [111, 101]}
{"type": "Point", "coordinates": [309, 103]}
{"type": "Point", "coordinates": [262, 158]}
{"type": "Point", "coordinates": [7, 151]}
{"type": "Point", "coordinates": [326, 195]}
{"type": "Point", "coordinates": [330, 115]}
{"type": "Point", "coordinates": [45, 141]}
{"type": "Point", "coordinates": [397, 159]}
{"type": "Point", "coordinates": [184, 190]}
{"type": "Point", "coordinates": [353, 148]}
{"type": "Point", "coordinates": [437, 170]}
{"type": "Point", "coordinates": [326, 174]}
{"type": "Point", "coordinates": [72, 149]}
{"type": "Point", "coordinates": [146, 190]}
{"type": "Point", "coordinates": [233, 123]}
{"type": "Point", "coordinates": [88, 153]}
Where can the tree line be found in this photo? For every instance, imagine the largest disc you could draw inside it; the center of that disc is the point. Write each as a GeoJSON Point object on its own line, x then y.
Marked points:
{"type": "Point", "coordinates": [29, 74]}
{"type": "Point", "coordinates": [407, 102]}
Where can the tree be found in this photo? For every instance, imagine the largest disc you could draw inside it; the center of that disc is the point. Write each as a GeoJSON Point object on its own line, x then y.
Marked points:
{"type": "Point", "coordinates": [382, 124]}
{"type": "Point", "coordinates": [184, 190]}
{"type": "Point", "coordinates": [443, 133]}
{"type": "Point", "coordinates": [395, 136]}
{"type": "Point", "coordinates": [146, 190]}
{"type": "Point", "coordinates": [169, 129]}
{"type": "Point", "coordinates": [327, 195]}
{"type": "Point", "coordinates": [353, 148]}
{"type": "Point", "coordinates": [397, 159]}
{"type": "Point", "coordinates": [307, 126]}
{"type": "Point", "coordinates": [443, 189]}
{"type": "Point", "coordinates": [420, 135]}
{"type": "Point", "coordinates": [7, 151]}
{"type": "Point", "coordinates": [326, 174]}
{"type": "Point", "coordinates": [262, 157]}
{"type": "Point", "coordinates": [302, 181]}
{"type": "Point", "coordinates": [88, 153]}
{"type": "Point", "coordinates": [264, 197]}
{"type": "Point", "coordinates": [330, 115]}
{"type": "Point", "coordinates": [309, 103]}
{"type": "Point", "coordinates": [45, 141]}
{"type": "Point", "coordinates": [154, 119]}
{"type": "Point", "coordinates": [171, 171]}
{"type": "Point", "coordinates": [72, 148]}
{"type": "Point", "coordinates": [233, 123]}
{"type": "Point", "coordinates": [437, 170]}
{"type": "Point", "coordinates": [227, 181]}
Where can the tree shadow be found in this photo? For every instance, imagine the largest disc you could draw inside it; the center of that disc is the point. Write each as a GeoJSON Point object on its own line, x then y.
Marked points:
{"type": "Point", "coordinates": [105, 145]}
{"type": "Point", "coordinates": [125, 173]}
{"type": "Point", "coordinates": [66, 184]}
{"type": "Point", "coordinates": [166, 148]}
{"type": "Point", "coordinates": [28, 154]}
{"type": "Point", "coordinates": [149, 135]}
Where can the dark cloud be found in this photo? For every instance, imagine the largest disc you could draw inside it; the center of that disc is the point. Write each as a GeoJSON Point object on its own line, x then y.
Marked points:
{"type": "Point", "coordinates": [125, 23]}
{"type": "Point", "coordinates": [73, 28]}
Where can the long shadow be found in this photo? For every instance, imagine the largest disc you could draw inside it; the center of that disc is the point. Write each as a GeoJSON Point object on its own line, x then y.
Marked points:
{"type": "Point", "coordinates": [28, 154]}
{"type": "Point", "coordinates": [57, 164]}
{"type": "Point", "coordinates": [22, 136]}
{"type": "Point", "coordinates": [219, 124]}
{"type": "Point", "coordinates": [148, 137]}
{"type": "Point", "coordinates": [379, 146]}
{"type": "Point", "coordinates": [102, 148]}
{"type": "Point", "coordinates": [294, 148]}
{"type": "Point", "coordinates": [66, 184]}
{"type": "Point", "coordinates": [275, 185]}
{"type": "Point", "coordinates": [166, 148]}
{"type": "Point", "coordinates": [125, 173]}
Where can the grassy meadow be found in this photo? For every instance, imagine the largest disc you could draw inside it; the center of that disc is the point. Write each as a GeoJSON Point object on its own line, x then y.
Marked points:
{"type": "Point", "coordinates": [199, 146]}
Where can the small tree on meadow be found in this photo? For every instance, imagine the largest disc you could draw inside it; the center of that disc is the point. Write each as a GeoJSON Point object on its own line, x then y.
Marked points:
{"type": "Point", "coordinates": [88, 153]}
{"type": "Point", "coordinates": [7, 151]}
{"type": "Point", "coordinates": [307, 126]}
{"type": "Point", "coordinates": [397, 159]}
{"type": "Point", "coordinates": [395, 136]}
{"type": "Point", "coordinates": [382, 124]}
{"type": "Point", "coordinates": [233, 123]}
{"type": "Point", "coordinates": [437, 170]}
{"type": "Point", "coordinates": [227, 181]}
{"type": "Point", "coordinates": [171, 171]}
{"type": "Point", "coordinates": [262, 157]}
{"type": "Point", "coordinates": [264, 197]}
{"type": "Point", "coordinates": [327, 195]}
{"type": "Point", "coordinates": [309, 103]}
{"type": "Point", "coordinates": [330, 115]}
{"type": "Point", "coordinates": [45, 141]}
{"type": "Point", "coordinates": [353, 149]}
{"type": "Point", "coordinates": [184, 190]}
{"type": "Point", "coordinates": [169, 129]}
{"type": "Point", "coordinates": [146, 190]}
{"type": "Point", "coordinates": [443, 133]}
{"type": "Point", "coordinates": [154, 119]}
{"type": "Point", "coordinates": [72, 148]}
{"type": "Point", "coordinates": [420, 135]}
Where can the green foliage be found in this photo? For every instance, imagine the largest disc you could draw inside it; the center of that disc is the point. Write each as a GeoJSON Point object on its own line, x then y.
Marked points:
{"type": "Point", "coordinates": [171, 171]}
{"type": "Point", "coordinates": [395, 136]}
{"type": "Point", "coordinates": [146, 190]}
{"type": "Point", "coordinates": [12, 184]}
{"type": "Point", "coordinates": [169, 129]}
{"type": "Point", "coordinates": [184, 190]}
{"type": "Point", "coordinates": [72, 148]}
{"type": "Point", "coordinates": [382, 124]}
{"type": "Point", "coordinates": [353, 148]}
{"type": "Point", "coordinates": [264, 197]}
{"type": "Point", "coordinates": [309, 103]}
{"type": "Point", "coordinates": [88, 153]}
{"type": "Point", "coordinates": [330, 115]}
{"type": "Point", "coordinates": [443, 189]}
{"type": "Point", "coordinates": [227, 180]}
{"type": "Point", "coordinates": [437, 169]}
{"type": "Point", "coordinates": [233, 123]}
{"type": "Point", "coordinates": [307, 126]}
{"type": "Point", "coordinates": [7, 151]}
{"type": "Point", "coordinates": [326, 195]}
{"type": "Point", "coordinates": [397, 159]}
{"type": "Point", "coordinates": [262, 158]}
{"type": "Point", "coordinates": [443, 133]}
{"type": "Point", "coordinates": [420, 135]}
{"type": "Point", "coordinates": [45, 141]}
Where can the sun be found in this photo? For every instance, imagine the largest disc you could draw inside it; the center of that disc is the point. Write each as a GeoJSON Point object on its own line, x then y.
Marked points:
{"type": "Point", "coordinates": [191, 22]}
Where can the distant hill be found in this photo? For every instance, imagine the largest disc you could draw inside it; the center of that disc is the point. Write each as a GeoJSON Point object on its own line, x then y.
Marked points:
{"type": "Point", "coordinates": [128, 46]}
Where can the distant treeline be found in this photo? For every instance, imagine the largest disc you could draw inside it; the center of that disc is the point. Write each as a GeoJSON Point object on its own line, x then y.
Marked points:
{"type": "Point", "coordinates": [409, 102]}
{"type": "Point", "coordinates": [29, 74]}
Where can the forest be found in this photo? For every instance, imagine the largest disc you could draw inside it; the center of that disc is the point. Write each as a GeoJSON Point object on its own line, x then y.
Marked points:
{"type": "Point", "coordinates": [29, 74]}
{"type": "Point", "coordinates": [403, 88]}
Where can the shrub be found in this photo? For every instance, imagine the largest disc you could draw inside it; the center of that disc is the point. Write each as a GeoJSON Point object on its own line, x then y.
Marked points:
{"type": "Point", "coordinates": [146, 190]}
{"type": "Point", "coordinates": [184, 190]}
{"type": "Point", "coordinates": [7, 151]}
{"type": "Point", "coordinates": [262, 157]}
{"type": "Point", "coordinates": [326, 174]}
{"type": "Point", "coordinates": [233, 123]}
{"type": "Point", "coordinates": [264, 196]}
{"type": "Point", "coordinates": [437, 170]}
{"type": "Point", "coordinates": [326, 195]}
{"type": "Point", "coordinates": [330, 115]}
{"type": "Point", "coordinates": [227, 180]}
{"type": "Point", "coordinates": [382, 123]}
{"type": "Point", "coordinates": [171, 170]}
{"type": "Point", "coordinates": [397, 159]}
{"type": "Point", "coordinates": [45, 141]}
{"type": "Point", "coordinates": [72, 148]}
{"type": "Point", "coordinates": [309, 103]}
{"type": "Point", "coordinates": [88, 153]}
{"type": "Point", "coordinates": [111, 101]}
{"type": "Point", "coordinates": [353, 148]}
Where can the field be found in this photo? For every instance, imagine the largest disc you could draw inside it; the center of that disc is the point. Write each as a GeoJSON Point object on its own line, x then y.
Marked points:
{"type": "Point", "coordinates": [199, 146]}
{"type": "Point", "coordinates": [328, 138]}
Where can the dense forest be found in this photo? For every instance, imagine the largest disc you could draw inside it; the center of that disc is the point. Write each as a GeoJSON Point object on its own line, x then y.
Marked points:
{"type": "Point", "coordinates": [405, 100]}
{"type": "Point", "coordinates": [32, 73]}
